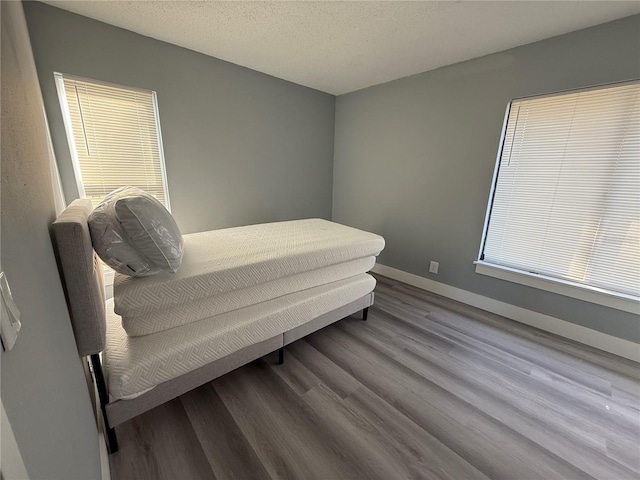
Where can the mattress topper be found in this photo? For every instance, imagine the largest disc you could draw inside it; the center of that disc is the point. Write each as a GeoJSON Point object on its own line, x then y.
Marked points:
{"type": "Point", "coordinates": [135, 364]}
{"type": "Point", "coordinates": [195, 310]}
{"type": "Point", "coordinates": [220, 261]}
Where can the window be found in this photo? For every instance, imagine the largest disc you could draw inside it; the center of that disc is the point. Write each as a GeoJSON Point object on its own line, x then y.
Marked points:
{"type": "Point", "coordinates": [114, 137]}
{"type": "Point", "coordinates": [565, 204]}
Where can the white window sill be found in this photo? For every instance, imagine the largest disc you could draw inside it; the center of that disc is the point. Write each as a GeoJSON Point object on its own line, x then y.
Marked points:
{"type": "Point", "coordinates": [607, 298]}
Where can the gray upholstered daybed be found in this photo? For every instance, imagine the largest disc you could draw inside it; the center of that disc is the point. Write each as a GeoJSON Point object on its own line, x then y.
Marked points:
{"type": "Point", "coordinates": [255, 304]}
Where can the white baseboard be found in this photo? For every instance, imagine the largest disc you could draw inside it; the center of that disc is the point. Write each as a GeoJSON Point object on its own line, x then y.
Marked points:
{"type": "Point", "coordinates": [593, 338]}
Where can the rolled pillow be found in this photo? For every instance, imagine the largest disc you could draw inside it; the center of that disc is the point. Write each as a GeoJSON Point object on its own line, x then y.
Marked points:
{"type": "Point", "coordinates": [150, 228]}
{"type": "Point", "coordinates": [111, 243]}
{"type": "Point", "coordinates": [134, 234]}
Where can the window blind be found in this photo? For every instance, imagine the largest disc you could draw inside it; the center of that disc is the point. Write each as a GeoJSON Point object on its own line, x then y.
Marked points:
{"type": "Point", "coordinates": [114, 137]}
{"type": "Point", "coordinates": [566, 202]}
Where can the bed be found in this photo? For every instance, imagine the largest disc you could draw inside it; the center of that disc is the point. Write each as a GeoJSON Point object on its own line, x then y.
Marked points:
{"type": "Point", "coordinates": [240, 294]}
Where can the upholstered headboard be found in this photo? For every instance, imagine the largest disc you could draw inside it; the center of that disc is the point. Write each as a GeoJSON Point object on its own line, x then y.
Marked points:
{"type": "Point", "coordinates": [83, 277]}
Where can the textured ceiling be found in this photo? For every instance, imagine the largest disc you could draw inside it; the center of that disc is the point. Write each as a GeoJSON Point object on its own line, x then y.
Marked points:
{"type": "Point", "coordinates": [338, 47]}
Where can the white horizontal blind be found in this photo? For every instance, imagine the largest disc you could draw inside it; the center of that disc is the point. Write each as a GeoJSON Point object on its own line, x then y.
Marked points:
{"type": "Point", "coordinates": [567, 197]}
{"type": "Point", "coordinates": [115, 136]}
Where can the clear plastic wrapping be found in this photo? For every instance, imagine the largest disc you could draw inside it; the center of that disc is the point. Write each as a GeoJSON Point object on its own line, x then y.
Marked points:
{"type": "Point", "coordinates": [135, 234]}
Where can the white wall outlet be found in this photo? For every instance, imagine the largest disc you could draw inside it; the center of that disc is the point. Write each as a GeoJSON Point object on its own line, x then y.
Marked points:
{"type": "Point", "coordinates": [433, 267]}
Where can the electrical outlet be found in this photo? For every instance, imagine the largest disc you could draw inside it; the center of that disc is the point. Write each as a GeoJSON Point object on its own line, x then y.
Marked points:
{"type": "Point", "coordinates": [433, 267]}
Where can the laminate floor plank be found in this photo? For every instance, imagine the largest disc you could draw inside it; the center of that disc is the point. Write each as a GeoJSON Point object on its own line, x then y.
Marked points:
{"type": "Point", "coordinates": [353, 431]}
{"type": "Point", "coordinates": [160, 445]}
{"type": "Point", "coordinates": [555, 361]}
{"type": "Point", "coordinates": [411, 295]}
{"type": "Point", "coordinates": [497, 340]}
{"type": "Point", "coordinates": [299, 378]}
{"type": "Point", "coordinates": [426, 452]}
{"type": "Point", "coordinates": [626, 453]}
{"type": "Point", "coordinates": [595, 358]}
{"type": "Point", "coordinates": [532, 416]}
{"type": "Point", "coordinates": [410, 334]}
{"type": "Point", "coordinates": [437, 410]}
{"type": "Point", "coordinates": [536, 388]}
{"type": "Point", "coordinates": [426, 388]}
{"type": "Point", "coordinates": [401, 333]}
{"type": "Point", "coordinates": [461, 366]}
{"type": "Point", "coordinates": [225, 446]}
{"type": "Point", "coordinates": [625, 390]}
{"type": "Point", "coordinates": [285, 432]}
{"type": "Point", "coordinates": [482, 351]}
{"type": "Point", "coordinates": [336, 378]}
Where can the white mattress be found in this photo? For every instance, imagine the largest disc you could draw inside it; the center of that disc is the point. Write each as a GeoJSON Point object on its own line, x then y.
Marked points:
{"type": "Point", "coordinates": [219, 261]}
{"type": "Point", "coordinates": [158, 321]}
{"type": "Point", "coordinates": [136, 364]}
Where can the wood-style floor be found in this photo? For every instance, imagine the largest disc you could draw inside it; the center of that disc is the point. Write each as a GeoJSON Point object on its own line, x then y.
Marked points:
{"type": "Point", "coordinates": [426, 388]}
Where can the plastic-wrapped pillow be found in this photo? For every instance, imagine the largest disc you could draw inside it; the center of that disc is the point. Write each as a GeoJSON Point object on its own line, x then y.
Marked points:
{"type": "Point", "coordinates": [150, 228]}
{"type": "Point", "coordinates": [111, 244]}
{"type": "Point", "coordinates": [135, 234]}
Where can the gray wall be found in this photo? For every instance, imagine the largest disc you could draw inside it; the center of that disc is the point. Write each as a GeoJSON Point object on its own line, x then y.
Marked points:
{"type": "Point", "coordinates": [414, 158]}
{"type": "Point", "coordinates": [241, 147]}
{"type": "Point", "coordinates": [43, 385]}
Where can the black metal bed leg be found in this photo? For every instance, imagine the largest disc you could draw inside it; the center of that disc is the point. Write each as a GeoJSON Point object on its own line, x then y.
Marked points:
{"type": "Point", "coordinates": [112, 440]}
{"type": "Point", "coordinates": [365, 314]}
{"type": "Point", "coordinates": [280, 356]}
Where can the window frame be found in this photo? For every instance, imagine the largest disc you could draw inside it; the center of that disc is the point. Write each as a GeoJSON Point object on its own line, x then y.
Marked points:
{"type": "Point", "coordinates": [66, 117]}
{"type": "Point", "coordinates": [608, 298]}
